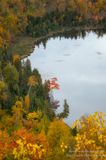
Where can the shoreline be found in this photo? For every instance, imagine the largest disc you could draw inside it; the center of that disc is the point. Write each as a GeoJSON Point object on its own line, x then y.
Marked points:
{"type": "Point", "coordinates": [33, 41]}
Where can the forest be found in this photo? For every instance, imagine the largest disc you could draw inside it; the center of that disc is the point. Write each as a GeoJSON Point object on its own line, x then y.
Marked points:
{"type": "Point", "coordinates": [30, 128]}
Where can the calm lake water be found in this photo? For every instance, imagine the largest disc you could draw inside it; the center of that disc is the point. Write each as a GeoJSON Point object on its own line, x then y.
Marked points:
{"type": "Point", "coordinates": [80, 66]}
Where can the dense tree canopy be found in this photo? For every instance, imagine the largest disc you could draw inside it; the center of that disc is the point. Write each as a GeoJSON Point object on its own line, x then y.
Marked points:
{"type": "Point", "coordinates": [30, 129]}
{"type": "Point", "coordinates": [37, 15]}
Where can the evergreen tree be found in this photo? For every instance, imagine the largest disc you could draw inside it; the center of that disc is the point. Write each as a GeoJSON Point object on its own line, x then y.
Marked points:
{"type": "Point", "coordinates": [65, 112]}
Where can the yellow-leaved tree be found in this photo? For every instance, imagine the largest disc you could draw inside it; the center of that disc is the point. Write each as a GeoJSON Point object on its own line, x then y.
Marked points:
{"type": "Point", "coordinates": [27, 102]}
{"type": "Point", "coordinates": [29, 146]}
{"type": "Point", "coordinates": [16, 58]}
{"type": "Point", "coordinates": [60, 139]}
{"type": "Point", "coordinates": [91, 137]}
{"type": "Point", "coordinates": [32, 81]}
{"type": "Point", "coordinates": [18, 111]}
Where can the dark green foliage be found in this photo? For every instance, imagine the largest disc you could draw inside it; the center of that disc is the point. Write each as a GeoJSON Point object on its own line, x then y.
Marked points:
{"type": "Point", "coordinates": [39, 19]}
{"type": "Point", "coordinates": [11, 75]}
{"type": "Point", "coordinates": [27, 68]}
{"type": "Point", "coordinates": [53, 21]}
{"type": "Point", "coordinates": [24, 74]}
{"type": "Point", "coordinates": [74, 131]}
{"type": "Point", "coordinates": [16, 79]}
{"type": "Point", "coordinates": [65, 112]}
{"type": "Point", "coordinates": [37, 74]}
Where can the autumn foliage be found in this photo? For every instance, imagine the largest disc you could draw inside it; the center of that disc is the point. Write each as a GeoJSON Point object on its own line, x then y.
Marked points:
{"type": "Point", "coordinates": [52, 84]}
{"type": "Point", "coordinates": [30, 129]}
{"type": "Point", "coordinates": [91, 137]}
{"type": "Point", "coordinates": [57, 142]}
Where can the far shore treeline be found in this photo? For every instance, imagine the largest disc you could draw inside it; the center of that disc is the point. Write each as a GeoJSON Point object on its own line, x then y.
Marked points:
{"type": "Point", "coordinates": [40, 17]}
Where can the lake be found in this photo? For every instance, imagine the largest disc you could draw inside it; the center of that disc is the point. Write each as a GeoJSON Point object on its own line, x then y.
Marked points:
{"type": "Point", "coordinates": [80, 66]}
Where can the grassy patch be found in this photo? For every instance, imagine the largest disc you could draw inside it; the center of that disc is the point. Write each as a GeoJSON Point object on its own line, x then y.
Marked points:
{"type": "Point", "coordinates": [23, 46]}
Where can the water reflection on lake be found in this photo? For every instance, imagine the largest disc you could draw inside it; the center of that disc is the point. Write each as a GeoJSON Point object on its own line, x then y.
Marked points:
{"type": "Point", "coordinates": [80, 66]}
